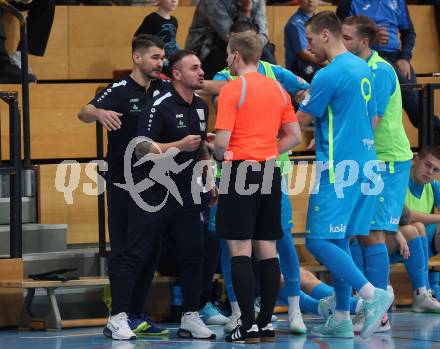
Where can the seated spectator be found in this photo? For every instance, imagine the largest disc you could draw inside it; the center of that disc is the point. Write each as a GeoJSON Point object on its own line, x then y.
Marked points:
{"type": "Point", "coordinates": [164, 26]}
{"type": "Point", "coordinates": [392, 19]}
{"type": "Point", "coordinates": [208, 34]}
{"type": "Point", "coordinates": [298, 58]}
{"type": "Point", "coordinates": [419, 227]}
{"type": "Point", "coordinates": [39, 23]}
{"type": "Point", "coordinates": [423, 196]}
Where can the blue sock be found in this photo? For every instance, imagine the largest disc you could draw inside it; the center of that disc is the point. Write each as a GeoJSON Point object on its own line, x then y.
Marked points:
{"type": "Point", "coordinates": [343, 289]}
{"type": "Point", "coordinates": [282, 296]}
{"type": "Point", "coordinates": [415, 264]}
{"type": "Point", "coordinates": [226, 270]}
{"type": "Point", "coordinates": [335, 256]}
{"type": "Point", "coordinates": [289, 263]}
{"type": "Point", "coordinates": [357, 255]}
{"type": "Point", "coordinates": [377, 265]}
{"type": "Point", "coordinates": [426, 260]}
{"type": "Point", "coordinates": [322, 290]}
{"type": "Point", "coordinates": [308, 304]}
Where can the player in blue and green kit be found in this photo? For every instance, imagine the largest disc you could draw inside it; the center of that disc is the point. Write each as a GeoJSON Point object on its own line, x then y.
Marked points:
{"type": "Point", "coordinates": [392, 147]}
{"type": "Point", "coordinates": [342, 203]}
{"type": "Point", "coordinates": [422, 197]}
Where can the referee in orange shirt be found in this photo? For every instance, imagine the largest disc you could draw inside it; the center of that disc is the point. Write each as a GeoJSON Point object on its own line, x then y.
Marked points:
{"type": "Point", "coordinates": [252, 112]}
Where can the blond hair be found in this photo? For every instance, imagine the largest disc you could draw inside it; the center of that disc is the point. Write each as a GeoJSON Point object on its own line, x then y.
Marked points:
{"type": "Point", "coordinates": [248, 44]}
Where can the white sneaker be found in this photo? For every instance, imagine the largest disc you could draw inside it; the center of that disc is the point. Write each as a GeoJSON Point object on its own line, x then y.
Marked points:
{"type": "Point", "coordinates": [192, 326]}
{"type": "Point", "coordinates": [211, 315]}
{"type": "Point", "coordinates": [358, 323]}
{"type": "Point", "coordinates": [233, 322]}
{"type": "Point", "coordinates": [118, 327]}
{"type": "Point", "coordinates": [425, 303]}
{"type": "Point", "coordinates": [296, 323]}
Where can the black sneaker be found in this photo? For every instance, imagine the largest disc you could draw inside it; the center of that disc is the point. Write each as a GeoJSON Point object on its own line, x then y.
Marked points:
{"type": "Point", "coordinates": [239, 335]}
{"type": "Point", "coordinates": [267, 333]}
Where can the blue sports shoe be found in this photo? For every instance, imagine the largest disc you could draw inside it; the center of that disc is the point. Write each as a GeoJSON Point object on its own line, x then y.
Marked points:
{"type": "Point", "coordinates": [211, 315]}
{"type": "Point", "coordinates": [331, 328]}
{"type": "Point", "coordinates": [374, 311]}
{"type": "Point", "coordinates": [142, 325]}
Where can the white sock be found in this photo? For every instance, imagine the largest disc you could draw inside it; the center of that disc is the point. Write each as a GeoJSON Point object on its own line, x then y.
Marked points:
{"type": "Point", "coordinates": [235, 308]}
{"type": "Point", "coordinates": [293, 304]}
{"type": "Point", "coordinates": [420, 291]}
{"type": "Point", "coordinates": [359, 306]}
{"type": "Point", "coordinates": [342, 315]}
{"type": "Point", "coordinates": [367, 291]}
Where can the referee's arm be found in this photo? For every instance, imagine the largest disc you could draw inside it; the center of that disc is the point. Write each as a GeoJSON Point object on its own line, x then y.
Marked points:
{"type": "Point", "coordinates": [221, 143]}
{"type": "Point", "coordinates": [291, 137]}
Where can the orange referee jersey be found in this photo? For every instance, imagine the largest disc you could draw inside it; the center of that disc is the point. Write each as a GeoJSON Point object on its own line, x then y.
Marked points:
{"type": "Point", "coordinates": [253, 109]}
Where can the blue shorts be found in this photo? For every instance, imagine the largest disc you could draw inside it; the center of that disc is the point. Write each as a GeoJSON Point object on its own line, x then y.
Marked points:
{"type": "Point", "coordinates": [390, 201]}
{"type": "Point", "coordinates": [431, 229]}
{"type": "Point", "coordinates": [330, 216]}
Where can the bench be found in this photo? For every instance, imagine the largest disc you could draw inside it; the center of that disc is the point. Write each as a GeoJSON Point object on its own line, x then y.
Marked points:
{"type": "Point", "coordinates": [52, 320]}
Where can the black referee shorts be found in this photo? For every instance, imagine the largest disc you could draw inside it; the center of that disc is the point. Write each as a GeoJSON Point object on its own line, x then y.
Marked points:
{"type": "Point", "coordinates": [245, 213]}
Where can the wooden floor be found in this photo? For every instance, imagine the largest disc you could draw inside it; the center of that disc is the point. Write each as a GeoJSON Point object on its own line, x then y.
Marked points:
{"type": "Point", "coordinates": [409, 331]}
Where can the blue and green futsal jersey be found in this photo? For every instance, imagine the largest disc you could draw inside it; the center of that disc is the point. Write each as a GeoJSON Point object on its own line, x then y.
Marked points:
{"type": "Point", "coordinates": [423, 197]}
{"type": "Point", "coordinates": [389, 136]}
{"type": "Point", "coordinates": [342, 102]}
{"type": "Point", "coordinates": [291, 83]}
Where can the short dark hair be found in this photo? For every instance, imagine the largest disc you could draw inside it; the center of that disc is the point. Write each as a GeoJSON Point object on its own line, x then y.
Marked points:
{"type": "Point", "coordinates": [145, 41]}
{"type": "Point", "coordinates": [242, 26]}
{"type": "Point", "coordinates": [431, 150]}
{"type": "Point", "coordinates": [325, 20]}
{"type": "Point", "coordinates": [365, 27]}
{"type": "Point", "coordinates": [178, 56]}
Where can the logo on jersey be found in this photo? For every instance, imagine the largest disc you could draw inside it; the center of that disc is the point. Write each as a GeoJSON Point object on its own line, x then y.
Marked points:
{"type": "Point", "coordinates": [369, 143]}
{"type": "Point", "coordinates": [393, 5]}
{"type": "Point", "coordinates": [341, 228]}
{"type": "Point", "coordinates": [394, 220]}
{"type": "Point", "coordinates": [121, 83]}
{"type": "Point", "coordinates": [134, 108]}
{"type": "Point", "coordinates": [366, 7]}
{"type": "Point", "coordinates": [181, 124]}
{"type": "Point", "coordinates": [178, 116]}
{"type": "Point", "coordinates": [201, 114]}
{"type": "Point", "coordinates": [134, 100]}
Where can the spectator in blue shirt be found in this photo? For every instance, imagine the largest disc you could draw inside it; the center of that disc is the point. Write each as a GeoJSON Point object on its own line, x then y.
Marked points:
{"type": "Point", "coordinates": [298, 58]}
{"type": "Point", "coordinates": [392, 18]}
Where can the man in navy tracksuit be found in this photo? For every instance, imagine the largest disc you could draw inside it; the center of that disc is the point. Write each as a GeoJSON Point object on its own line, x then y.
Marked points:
{"type": "Point", "coordinates": [118, 108]}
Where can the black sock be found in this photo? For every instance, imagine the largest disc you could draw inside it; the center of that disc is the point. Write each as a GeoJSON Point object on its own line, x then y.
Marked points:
{"type": "Point", "coordinates": [270, 283]}
{"type": "Point", "coordinates": [244, 286]}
